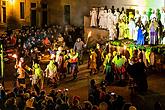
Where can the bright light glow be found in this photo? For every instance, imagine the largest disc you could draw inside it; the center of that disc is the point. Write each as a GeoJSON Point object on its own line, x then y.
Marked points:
{"type": "Point", "coordinates": [52, 56]}
{"type": "Point", "coordinates": [15, 56]}
{"type": "Point", "coordinates": [125, 47]}
{"type": "Point", "coordinates": [11, 1]}
{"type": "Point", "coordinates": [142, 5]}
{"type": "Point", "coordinates": [89, 34]}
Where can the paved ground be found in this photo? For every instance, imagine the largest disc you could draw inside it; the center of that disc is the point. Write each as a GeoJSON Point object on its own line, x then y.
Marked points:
{"type": "Point", "coordinates": [156, 82]}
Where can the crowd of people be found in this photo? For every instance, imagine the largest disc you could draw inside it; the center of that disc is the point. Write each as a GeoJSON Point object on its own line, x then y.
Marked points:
{"type": "Point", "coordinates": [64, 46]}
{"type": "Point", "coordinates": [66, 50]}
{"type": "Point", "coordinates": [144, 28]}
{"type": "Point", "coordinates": [99, 98]}
{"type": "Point", "coordinates": [120, 66]}
{"type": "Point", "coordinates": [65, 58]}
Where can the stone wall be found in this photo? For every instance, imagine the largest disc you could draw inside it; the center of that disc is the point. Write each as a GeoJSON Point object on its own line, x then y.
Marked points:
{"type": "Point", "coordinates": [97, 35]}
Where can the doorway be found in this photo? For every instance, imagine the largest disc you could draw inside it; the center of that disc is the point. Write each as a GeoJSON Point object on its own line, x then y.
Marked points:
{"type": "Point", "coordinates": [44, 14]}
{"type": "Point", "coordinates": [66, 14]}
{"type": "Point", "coordinates": [33, 17]}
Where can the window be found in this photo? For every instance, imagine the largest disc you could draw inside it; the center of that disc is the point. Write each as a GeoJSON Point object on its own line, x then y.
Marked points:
{"type": "Point", "coordinates": [22, 14]}
{"type": "Point", "coordinates": [44, 6]}
{"type": "Point", "coordinates": [3, 3]}
{"type": "Point", "coordinates": [33, 5]}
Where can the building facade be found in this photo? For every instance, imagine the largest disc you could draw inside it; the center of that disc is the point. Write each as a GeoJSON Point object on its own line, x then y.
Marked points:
{"type": "Point", "coordinates": [73, 11]}
{"type": "Point", "coordinates": [41, 12]}
{"type": "Point", "coordinates": [23, 12]}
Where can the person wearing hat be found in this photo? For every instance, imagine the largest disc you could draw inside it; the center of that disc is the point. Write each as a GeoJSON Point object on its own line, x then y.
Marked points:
{"type": "Point", "coordinates": [51, 72]}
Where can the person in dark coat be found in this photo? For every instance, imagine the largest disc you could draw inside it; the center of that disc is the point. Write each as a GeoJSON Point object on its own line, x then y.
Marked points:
{"type": "Point", "coordinates": [141, 77]}
{"type": "Point", "coordinates": [136, 71]}
{"type": "Point", "coordinates": [98, 57]}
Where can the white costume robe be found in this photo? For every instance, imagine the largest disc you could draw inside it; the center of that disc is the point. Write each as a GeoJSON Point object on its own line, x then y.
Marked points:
{"type": "Point", "coordinates": [144, 19]}
{"type": "Point", "coordinates": [163, 18]}
{"type": "Point", "coordinates": [116, 17]}
{"type": "Point", "coordinates": [123, 16]}
{"type": "Point", "coordinates": [153, 16]}
{"type": "Point", "coordinates": [111, 26]}
{"type": "Point", "coordinates": [137, 17]}
{"type": "Point", "coordinates": [93, 14]}
{"type": "Point", "coordinates": [101, 18]}
{"type": "Point", "coordinates": [132, 29]}
{"type": "Point", "coordinates": [105, 19]}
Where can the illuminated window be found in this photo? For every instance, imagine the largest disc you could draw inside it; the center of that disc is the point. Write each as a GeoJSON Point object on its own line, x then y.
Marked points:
{"type": "Point", "coordinates": [22, 7]}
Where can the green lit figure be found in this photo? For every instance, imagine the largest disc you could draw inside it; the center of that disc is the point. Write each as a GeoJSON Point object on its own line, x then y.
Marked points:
{"type": "Point", "coordinates": [109, 77]}
{"type": "Point", "coordinates": [149, 13]}
{"type": "Point", "coordinates": [37, 77]}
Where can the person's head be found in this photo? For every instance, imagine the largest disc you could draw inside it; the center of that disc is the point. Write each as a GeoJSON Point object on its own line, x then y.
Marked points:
{"type": "Point", "coordinates": [21, 59]}
{"type": "Point", "coordinates": [87, 105]}
{"type": "Point", "coordinates": [126, 106]}
{"type": "Point", "coordinates": [1, 86]}
{"type": "Point", "coordinates": [97, 45]}
{"type": "Point", "coordinates": [36, 66]}
{"type": "Point", "coordinates": [154, 19]}
{"type": "Point", "coordinates": [132, 108]}
{"type": "Point", "coordinates": [78, 39]}
{"type": "Point", "coordinates": [95, 107]}
{"type": "Point", "coordinates": [109, 11]}
{"type": "Point", "coordinates": [103, 106]}
{"type": "Point", "coordinates": [144, 12]}
{"type": "Point", "coordinates": [137, 11]}
{"type": "Point", "coordinates": [93, 9]}
{"type": "Point", "coordinates": [73, 52]}
{"type": "Point", "coordinates": [105, 11]}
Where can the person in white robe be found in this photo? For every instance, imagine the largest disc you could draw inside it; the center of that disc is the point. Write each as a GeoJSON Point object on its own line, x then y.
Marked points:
{"type": "Point", "coordinates": [105, 19]}
{"type": "Point", "coordinates": [153, 15]}
{"type": "Point", "coordinates": [144, 18]}
{"type": "Point", "coordinates": [110, 25]}
{"type": "Point", "coordinates": [163, 17]}
{"type": "Point", "coordinates": [93, 15]}
{"type": "Point", "coordinates": [137, 16]}
{"type": "Point", "coordinates": [132, 28]}
{"type": "Point", "coordinates": [101, 17]}
{"type": "Point", "coordinates": [116, 17]}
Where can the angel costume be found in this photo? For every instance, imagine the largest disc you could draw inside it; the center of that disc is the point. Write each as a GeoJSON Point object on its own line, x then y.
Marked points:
{"type": "Point", "coordinates": [93, 15]}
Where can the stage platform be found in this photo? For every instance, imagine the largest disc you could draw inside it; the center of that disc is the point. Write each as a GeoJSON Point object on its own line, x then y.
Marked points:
{"type": "Point", "coordinates": [97, 35]}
